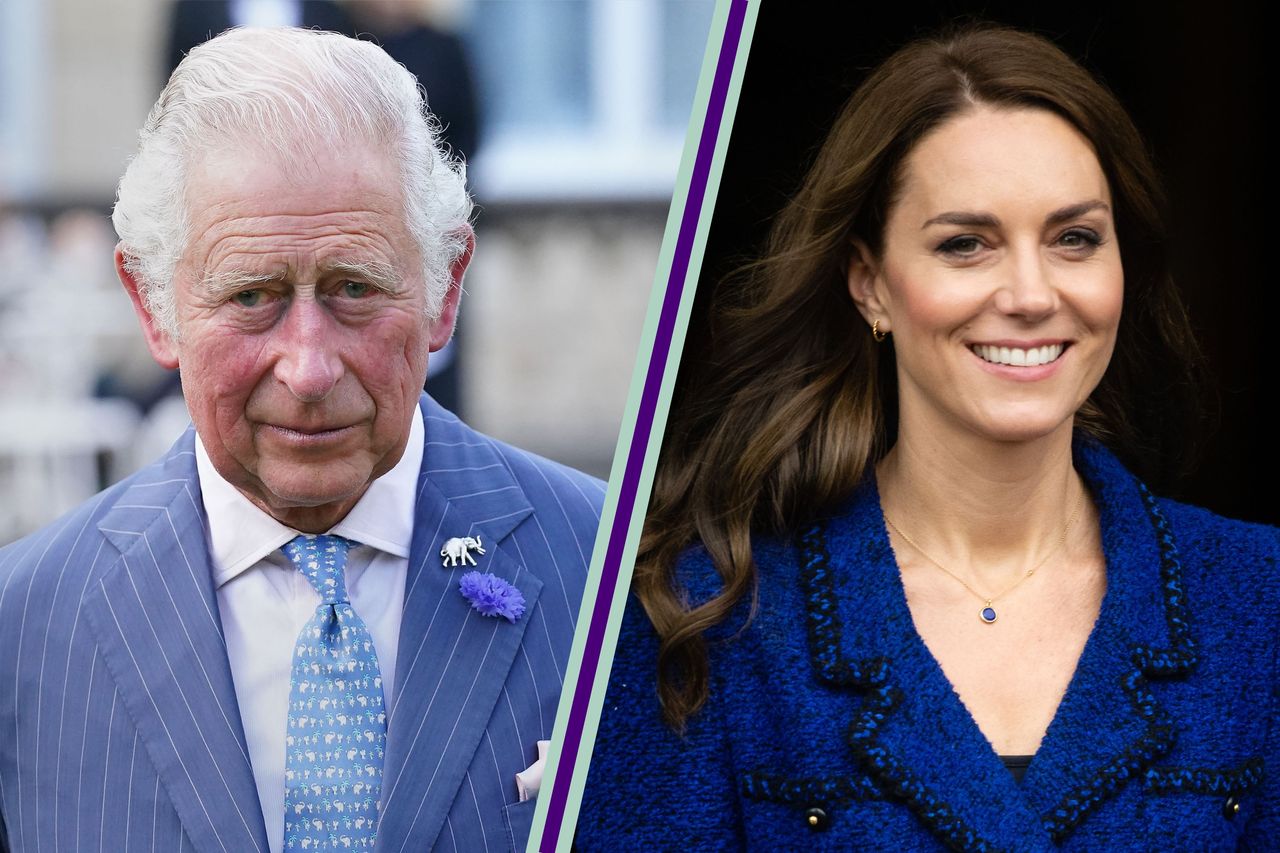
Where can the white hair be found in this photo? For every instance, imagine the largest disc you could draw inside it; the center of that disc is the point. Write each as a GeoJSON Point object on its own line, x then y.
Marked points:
{"type": "Point", "coordinates": [288, 90]}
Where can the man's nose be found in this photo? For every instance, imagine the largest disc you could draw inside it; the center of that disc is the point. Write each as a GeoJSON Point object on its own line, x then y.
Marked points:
{"type": "Point", "coordinates": [307, 362]}
{"type": "Point", "coordinates": [1028, 290]}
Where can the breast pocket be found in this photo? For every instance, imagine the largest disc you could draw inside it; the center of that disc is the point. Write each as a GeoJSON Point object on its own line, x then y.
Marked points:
{"type": "Point", "coordinates": [518, 819]}
{"type": "Point", "coordinates": [1210, 805]}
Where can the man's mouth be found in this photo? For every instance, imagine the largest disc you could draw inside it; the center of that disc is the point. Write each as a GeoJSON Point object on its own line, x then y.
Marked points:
{"type": "Point", "coordinates": [308, 434]}
{"type": "Point", "coordinates": [1018, 357]}
{"type": "Point", "coordinates": [308, 430]}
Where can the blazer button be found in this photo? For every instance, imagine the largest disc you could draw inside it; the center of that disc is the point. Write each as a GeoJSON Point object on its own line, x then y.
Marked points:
{"type": "Point", "coordinates": [1231, 808]}
{"type": "Point", "coordinates": [816, 819]}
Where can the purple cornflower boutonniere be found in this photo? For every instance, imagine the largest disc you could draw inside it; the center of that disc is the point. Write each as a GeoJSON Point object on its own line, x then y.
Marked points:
{"type": "Point", "coordinates": [490, 595]}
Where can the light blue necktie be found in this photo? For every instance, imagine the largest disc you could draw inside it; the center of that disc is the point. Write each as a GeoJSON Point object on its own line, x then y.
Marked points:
{"type": "Point", "coordinates": [337, 722]}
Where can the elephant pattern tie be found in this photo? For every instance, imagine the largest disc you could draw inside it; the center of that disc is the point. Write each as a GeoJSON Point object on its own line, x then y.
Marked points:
{"type": "Point", "coordinates": [337, 726]}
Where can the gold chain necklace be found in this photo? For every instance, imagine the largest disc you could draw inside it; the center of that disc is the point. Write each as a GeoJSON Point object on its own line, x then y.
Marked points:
{"type": "Point", "coordinates": [988, 613]}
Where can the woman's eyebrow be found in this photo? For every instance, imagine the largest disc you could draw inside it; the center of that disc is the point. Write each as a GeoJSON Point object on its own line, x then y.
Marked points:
{"type": "Point", "coordinates": [971, 219]}
{"type": "Point", "coordinates": [1071, 211]}
{"type": "Point", "coordinates": [979, 219]}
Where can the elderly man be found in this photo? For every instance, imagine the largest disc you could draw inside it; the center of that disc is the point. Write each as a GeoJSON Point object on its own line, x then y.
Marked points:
{"type": "Point", "coordinates": [332, 612]}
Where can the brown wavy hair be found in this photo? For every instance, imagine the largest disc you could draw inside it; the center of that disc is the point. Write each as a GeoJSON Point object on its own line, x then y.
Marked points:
{"type": "Point", "coordinates": [794, 400]}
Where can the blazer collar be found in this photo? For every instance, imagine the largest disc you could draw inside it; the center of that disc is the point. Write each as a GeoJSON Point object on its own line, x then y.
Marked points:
{"type": "Point", "coordinates": [452, 661]}
{"type": "Point", "coordinates": [912, 734]}
{"type": "Point", "coordinates": [155, 617]}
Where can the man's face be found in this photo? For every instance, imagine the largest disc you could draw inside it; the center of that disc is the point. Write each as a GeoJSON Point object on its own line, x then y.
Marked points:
{"type": "Point", "coordinates": [303, 335]}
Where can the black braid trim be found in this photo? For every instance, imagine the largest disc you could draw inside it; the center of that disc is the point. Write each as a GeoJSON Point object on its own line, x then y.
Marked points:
{"type": "Point", "coordinates": [1197, 781]}
{"type": "Point", "coordinates": [808, 792]}
{"type": "Point", "coordinates": [872, 678]}
{"type": "Point", "coordinates": [1180, 659]}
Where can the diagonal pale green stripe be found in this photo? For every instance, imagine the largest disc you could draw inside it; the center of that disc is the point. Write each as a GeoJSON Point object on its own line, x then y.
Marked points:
{"type": "Point", "coordinates": [679, 201]}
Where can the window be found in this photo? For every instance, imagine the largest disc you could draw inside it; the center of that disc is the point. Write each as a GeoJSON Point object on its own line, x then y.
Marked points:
{"type": "Point", "coordinates": [584, 98]}
{"type": "Point", "coordinates": [21, 43]}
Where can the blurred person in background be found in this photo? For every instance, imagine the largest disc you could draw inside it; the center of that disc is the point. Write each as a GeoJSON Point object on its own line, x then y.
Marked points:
{"type": "Point", "coordinates": [416, 33]}
{"type": "Point", "coordinates": [252, 644]}
{"type": "Point", "coordinates": [193, 22]}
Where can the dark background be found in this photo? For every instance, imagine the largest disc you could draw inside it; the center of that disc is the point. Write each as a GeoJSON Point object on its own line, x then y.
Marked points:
{"type": "Point", "coordinates": [1192, 81]}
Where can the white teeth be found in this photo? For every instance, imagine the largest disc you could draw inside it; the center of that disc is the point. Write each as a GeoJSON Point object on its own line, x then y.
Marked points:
{"type": "Point", "coordinates": [1018, 357]}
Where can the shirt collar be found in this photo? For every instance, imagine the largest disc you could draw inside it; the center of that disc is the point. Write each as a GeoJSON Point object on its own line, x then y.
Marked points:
{"type": "Point", "coordinates": [240, 534]}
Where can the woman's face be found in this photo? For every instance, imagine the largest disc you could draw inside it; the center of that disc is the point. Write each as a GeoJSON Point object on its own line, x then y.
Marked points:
{"type": "Point", "coordinates": [1000, 276]}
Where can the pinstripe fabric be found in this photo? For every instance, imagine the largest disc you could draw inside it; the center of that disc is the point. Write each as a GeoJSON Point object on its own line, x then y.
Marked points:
{"type": "Point", "coordinates": [119, 728]}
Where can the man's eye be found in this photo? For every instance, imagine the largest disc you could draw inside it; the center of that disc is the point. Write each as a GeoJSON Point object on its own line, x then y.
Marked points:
{"type": "Point", "coordinates": [355, 289]}
{"type": "Point", "coordinates": [248, 298]}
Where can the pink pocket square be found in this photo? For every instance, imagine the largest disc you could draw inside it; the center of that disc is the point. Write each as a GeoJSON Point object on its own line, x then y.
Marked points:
{"type": "Point", "coordinates": [530, 779]}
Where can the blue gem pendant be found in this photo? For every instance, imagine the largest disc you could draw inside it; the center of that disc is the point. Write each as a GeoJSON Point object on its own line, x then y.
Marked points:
{"type": "Point", "coordinates": [988, 613]}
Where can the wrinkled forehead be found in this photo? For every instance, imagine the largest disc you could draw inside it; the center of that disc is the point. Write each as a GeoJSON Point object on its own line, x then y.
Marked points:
{"type": "Point", "coordinates": [343, 201]}
{"type": "Point", "coordinates": [247, 167]}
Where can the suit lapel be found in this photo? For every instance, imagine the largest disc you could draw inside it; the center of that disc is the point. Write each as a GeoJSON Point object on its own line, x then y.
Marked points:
{"type": "Point", "coordinates": [1110, 727]}
{"type": "Point", "coordinates": [155, 617]}
{"type": "Point", "coordinates": [908, 732]}
{"type": "Point", "coordinates": [452, 661]}
{"type": "Point", "coordinates": [914, 737]}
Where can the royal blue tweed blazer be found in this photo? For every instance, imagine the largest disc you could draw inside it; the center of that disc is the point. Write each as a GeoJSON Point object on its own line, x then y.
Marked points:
{"type": "Point", "coordinates": [831, 727]}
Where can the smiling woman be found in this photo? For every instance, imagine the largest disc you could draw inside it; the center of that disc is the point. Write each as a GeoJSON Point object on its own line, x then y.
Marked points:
{"type": "Point", "coordinates": [899, 583]}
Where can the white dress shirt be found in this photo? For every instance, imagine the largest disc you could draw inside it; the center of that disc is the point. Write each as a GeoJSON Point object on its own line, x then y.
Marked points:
{"type": "Point", "coordinates": [264, 601]}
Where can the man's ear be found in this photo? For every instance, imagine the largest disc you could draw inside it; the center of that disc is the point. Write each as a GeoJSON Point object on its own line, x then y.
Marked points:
{"type": "Point", "coordinates": [159, 343]}
{"type": "Point", "coordinates": [863, 278]}
{"type": "Point", "coordinates": [442, 327]}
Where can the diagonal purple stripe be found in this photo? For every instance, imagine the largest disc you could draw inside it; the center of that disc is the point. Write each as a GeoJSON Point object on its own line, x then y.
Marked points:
{"type": "Point", "coordinates": [644, 424]}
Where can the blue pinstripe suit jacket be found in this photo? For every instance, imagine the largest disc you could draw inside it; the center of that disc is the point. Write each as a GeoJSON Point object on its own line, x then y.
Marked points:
{"type": "Point", "coordinates": [119, 728]}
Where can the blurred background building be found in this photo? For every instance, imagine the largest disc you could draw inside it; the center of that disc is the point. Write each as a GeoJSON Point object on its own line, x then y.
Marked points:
{"type": "Point", "coordinates": [570, 113]}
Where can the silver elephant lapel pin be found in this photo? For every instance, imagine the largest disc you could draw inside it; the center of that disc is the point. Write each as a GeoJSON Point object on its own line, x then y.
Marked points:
{"type": "Point", "coordinates": [457, 551]}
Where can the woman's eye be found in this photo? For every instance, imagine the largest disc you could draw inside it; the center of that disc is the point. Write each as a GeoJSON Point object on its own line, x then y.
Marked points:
{"type": "Point", "coordinates": [960, 246]}
{"type": "Point", "coordinates": [354, 289]}
{"type": "Point", "coordinates": [1080, 238]}
{"type": "Point", "coordinates": [248, 298]}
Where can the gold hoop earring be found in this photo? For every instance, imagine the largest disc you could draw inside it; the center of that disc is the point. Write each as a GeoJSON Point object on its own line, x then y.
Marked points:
{"type": "Point", "coordinates": [876, 333]}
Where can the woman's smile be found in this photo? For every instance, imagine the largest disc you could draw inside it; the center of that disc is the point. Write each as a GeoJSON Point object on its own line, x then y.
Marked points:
{"type": "Point", "coordinates": [1032, 355]}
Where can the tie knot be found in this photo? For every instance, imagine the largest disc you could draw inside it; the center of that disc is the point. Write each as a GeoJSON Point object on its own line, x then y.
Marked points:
{"type": "Point", "coordinates": [322, 561]}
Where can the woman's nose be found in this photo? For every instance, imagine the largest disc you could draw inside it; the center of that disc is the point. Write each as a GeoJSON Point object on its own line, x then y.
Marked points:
{"type": "Point", "coordinates": [1028, 290]}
